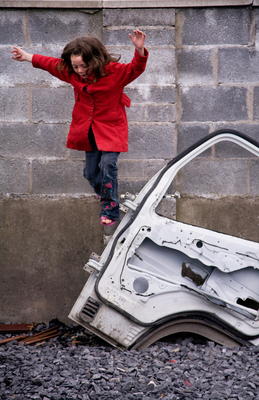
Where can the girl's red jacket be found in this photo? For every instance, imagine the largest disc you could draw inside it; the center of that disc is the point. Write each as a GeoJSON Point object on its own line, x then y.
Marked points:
{"type": "Point", "coordinates": [100, 104]}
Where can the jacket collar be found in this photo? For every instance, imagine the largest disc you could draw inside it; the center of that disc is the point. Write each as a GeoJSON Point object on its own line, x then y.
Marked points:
{"type": "Point", "coordinates": [87, 80]}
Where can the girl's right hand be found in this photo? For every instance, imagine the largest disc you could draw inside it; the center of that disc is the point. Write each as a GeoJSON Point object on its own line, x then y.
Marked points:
{"type": "Point", "coordinates": [21, 55]}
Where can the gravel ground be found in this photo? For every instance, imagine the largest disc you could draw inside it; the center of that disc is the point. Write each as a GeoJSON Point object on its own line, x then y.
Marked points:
{"type": "Point", "coordinates": [187, 368]}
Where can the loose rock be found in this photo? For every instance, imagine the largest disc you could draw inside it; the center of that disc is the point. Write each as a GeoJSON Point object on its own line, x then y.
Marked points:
{"type": "Point", "coordinates": [80, 366]}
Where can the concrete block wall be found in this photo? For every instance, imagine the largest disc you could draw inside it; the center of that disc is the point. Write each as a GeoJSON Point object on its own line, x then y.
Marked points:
{"type": "Point", "coordinates": [217, 87]}
{"type": "Point", "coordinates": [201, 76]}
{"type": "Point", "coordinates": [152, 113]}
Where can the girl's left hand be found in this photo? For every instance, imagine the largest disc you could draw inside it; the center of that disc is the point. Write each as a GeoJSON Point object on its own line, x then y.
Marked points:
{"type": "Point", "coordinates": [138, 40]}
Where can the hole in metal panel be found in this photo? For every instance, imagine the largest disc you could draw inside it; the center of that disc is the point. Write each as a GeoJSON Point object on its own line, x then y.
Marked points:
{"type": "Point", "coordinates": [90, 309]}
{"type": "Point", "coordinates": [249, 303]}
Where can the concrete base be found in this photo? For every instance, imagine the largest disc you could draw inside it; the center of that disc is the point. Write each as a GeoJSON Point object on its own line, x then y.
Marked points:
{"type": "Point", "coordinates": [46, 240]}
{"type": "Point", "coordinates": [44, 244]}
{"type": "Point", "coordinates": [234, 216]}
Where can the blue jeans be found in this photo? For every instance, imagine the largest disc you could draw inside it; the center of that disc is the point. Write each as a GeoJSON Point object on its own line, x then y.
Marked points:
{"type": "Point", "coordinates": [101, 171]}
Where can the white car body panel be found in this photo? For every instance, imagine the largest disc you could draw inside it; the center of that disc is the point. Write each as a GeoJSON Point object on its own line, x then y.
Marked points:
{"type": "Point", "coordinates": [156, 273]}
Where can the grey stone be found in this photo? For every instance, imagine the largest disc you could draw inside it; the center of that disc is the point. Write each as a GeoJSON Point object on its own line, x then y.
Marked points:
{"type": "Point", "coordinates": [210, 104]}
{"type": "Point", "coordinates": [135, 17]}
{"type": "Point", "coordinates": [14, 176]}
{"type": "Point", "coordinates": [154, 113]}
{"type": "Point", "coordinates": [160, 70]}
{"type": "Point", "coordinates": [52, 105]}
{"type": "Point", "coordinates": [147, 141]}
{"type": "Point", "coordinates": [195, 67]}
{"type": "Point", "coordinates": [51, 26]}
{"type": "Point", "coordinates": [189, 135]}
{"type": "Point", "coordinates": [161, 36]}
{"type": "Point", "coordinates": [37, 381]}
{"type": "Point", "coordinates": [23, 73]}
{"type": "Point", "coordinates": [52, 177]}
{"type": "Point", "coordinates": [227, 150]}
{"type": "Point", "coordinates": [203, 177]}
{"type": "Point", "coordinates": [237, 65]}
{"type": "Point", "coordinates": [254, 185]}
{"type": "Point", "coordinates": [30, 140]}
{"type": "Point", "coordinates": [11, 27]}
{"type": "Point", "coordinates": [149, 94]}
{"type": "Point", "coordinates": [216, 26]}
{"type": "Point", "coordinates": [14, 99]}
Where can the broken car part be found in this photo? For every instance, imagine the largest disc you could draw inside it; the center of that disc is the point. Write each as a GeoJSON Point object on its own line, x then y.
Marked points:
{"type": "Point", "coordinates": [158, 276]}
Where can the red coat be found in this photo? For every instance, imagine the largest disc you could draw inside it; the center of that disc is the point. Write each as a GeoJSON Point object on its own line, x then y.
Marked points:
{"type": "Point", "coordinates": [101, 104]}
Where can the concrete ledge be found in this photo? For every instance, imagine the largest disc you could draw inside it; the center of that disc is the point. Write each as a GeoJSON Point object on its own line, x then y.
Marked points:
{"type": "Point", "coordinates": [45, 241]}
{"type": "Point", "coordinates": [123, 3]}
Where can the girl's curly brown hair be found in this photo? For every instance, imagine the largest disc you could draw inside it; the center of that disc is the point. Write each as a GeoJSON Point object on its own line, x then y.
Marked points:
{"type": "Point", "coordinates": [93, 52]}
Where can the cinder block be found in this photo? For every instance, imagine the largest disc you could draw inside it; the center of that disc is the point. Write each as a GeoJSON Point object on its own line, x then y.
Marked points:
{"type": "Point", "coordinates": [155, 37]}
{"type": "Point", "coordinates": [254, 181]}
{"type": "Point", "coordinates": [151, 112]}
{"type": "Point", "coordinates": [237, 65]}
{"type": "Point", "coordinates": [256, 11]}
{"type": "Point", "coordinates": [137, 113]}
{"type": "Point", "coordinates": [53, 26]}
{"type": "Point", "coordinates": [228, 149]}
{"type": "Point", "coordinates": [214, 178]}
{"type": "Point", "coordinates": [132, 169]}
{"type": "Point", "coordinates": [52, 104]}
{"type": "Point", "coordinates": [52, 177]}
{"type": "Point", "coordinates": [217, 25]}
{"type": "Point", "coordinates": [31, 140]}
{"type": "Point", "coordinates": [256, 103]}
{"type": "Point", "coordinates": [133, 186]}
{"type": "Point", "coordinates": [14, 104]}
{"type": "Point", "coordinates": [11, 27]}
{"type": "Point", "coordinates": [152, 94]}
{"type": "Point", "coordinates": [14, 176]}
{"type": "Point", "coordinates": [249, 129]}
{"type": "Point", "coordinates": [189, 135]}
{"type": "Point", "coordinates": [160, 66]}
{"type": "Point", "coordinates": [194, 67]}
{"type": "Point", "coordinates": [161, 113]}
{"type": "Point", "coordinates": [17, 72]}
{"type": "Point", "coordinates": [139, 17]}
{"type": "Point", "coordinates": [23, 72]}
{"type": "Point", "coordinates": [214, 104]}
{"type": "Point", "coordinates": [151, 141]}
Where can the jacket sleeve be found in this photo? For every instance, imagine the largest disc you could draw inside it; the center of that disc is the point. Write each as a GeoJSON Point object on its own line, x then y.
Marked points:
{"type": "Point", "coordinates": [126, 73]}
{"type": "Point", "coordinates": [52, 65]}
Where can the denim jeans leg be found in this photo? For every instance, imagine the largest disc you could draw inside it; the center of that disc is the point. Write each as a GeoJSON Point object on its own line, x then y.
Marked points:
{"type": "Point", "coordinates": [92, 171]}
{"type": "Point", "coordinates": [109, 185]}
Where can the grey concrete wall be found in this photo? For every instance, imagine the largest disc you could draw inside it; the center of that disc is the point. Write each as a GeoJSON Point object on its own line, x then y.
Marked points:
{"type": "Point", "coordinates": [201, 76]}
{"type": "Point", "coordinates": [217, 87]}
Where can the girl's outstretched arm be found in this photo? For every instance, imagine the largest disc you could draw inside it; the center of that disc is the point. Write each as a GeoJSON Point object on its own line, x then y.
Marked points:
{"type": "Point", "coordinates": [138, 40]}
{"type": "Point", "coordinates": [21, 55]}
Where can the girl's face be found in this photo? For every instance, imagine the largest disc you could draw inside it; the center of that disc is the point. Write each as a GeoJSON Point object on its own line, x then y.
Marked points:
{"type": "Point", "coordinates": [79, 66]}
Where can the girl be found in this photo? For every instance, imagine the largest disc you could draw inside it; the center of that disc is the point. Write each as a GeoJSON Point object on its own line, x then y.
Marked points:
{"type": "Point", "coordinates": [99, 123]}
